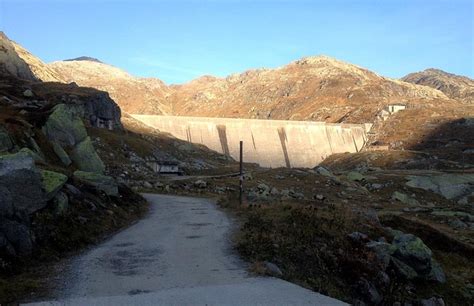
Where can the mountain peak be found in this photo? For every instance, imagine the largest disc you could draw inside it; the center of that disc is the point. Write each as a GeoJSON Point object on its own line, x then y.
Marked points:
{"type": "Point", "coordinates": [84, 58]}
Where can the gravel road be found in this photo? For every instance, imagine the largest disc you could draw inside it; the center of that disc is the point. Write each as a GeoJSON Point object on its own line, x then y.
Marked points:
{"type": "Point", "coordinates": [180, 254]}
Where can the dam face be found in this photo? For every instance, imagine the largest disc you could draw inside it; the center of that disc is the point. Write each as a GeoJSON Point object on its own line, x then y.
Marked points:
{"type": "Point", "coordinates": [270, 143]}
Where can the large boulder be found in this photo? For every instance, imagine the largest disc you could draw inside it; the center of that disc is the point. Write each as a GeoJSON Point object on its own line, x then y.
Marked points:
{"type": "Point", "coordinates": [411, 250]}
{"type": "Point", "coordinates": [98, 181]}
{"type": "Point", "coordinates": [6, 143]}
{"type": "Point", "coordinates": [101, 107]}
{"type": "Point", "coordinates": [52, 182]}
{"type": "Point", "coordinates": [36, 157]}
{"type": "Point", "coordinates": [86, 158]}
{"type": "Point", "coordinates": [450, 186]}
{"type": "Point", "coordinates": [65, 126]}
{"type": "Point", "coordinates": [18, 235]}
{"type": "Point", "coordinates": [61, 154]}
{"type": "Point", "coordinates": [19, 176]}
{"type": "Point", "coordinates": [6, 202]}
{"type": "Point", "coordinates": [60, 203]}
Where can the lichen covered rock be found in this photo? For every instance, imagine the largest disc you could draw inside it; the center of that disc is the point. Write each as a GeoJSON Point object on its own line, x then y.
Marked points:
{"type": "Point", "coordinates": [52, 182]}
{"type": "Point", "coordinates": [98, 181]}
{"type": "Point", "coordinates": [65, 126]}
{"type": "Point", "coordinates": [86, 158]}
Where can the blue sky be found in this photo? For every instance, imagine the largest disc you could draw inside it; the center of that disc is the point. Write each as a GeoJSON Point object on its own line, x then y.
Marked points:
{"type": "Point", "coordinates": [179, 40]}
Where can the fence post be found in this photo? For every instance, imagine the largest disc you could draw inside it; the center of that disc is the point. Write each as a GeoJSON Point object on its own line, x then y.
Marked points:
{"type": "Point", "coordinates": [241, 177]}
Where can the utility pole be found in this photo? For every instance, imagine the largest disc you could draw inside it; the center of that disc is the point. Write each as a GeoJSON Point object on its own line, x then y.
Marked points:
{"type": "Point", "coordinates": [241, 189]}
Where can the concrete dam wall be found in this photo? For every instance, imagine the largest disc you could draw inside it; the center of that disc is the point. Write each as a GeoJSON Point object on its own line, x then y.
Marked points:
{"type": "Point", "coordinates": [270, 143]}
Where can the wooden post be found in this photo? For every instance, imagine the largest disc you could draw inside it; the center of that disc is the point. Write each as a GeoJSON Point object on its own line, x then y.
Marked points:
{"type": "Point", "coordinates": [241, 189]}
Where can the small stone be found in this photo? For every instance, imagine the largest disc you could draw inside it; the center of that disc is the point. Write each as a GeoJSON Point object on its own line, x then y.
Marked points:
{"type": "Point", "coordinates": [200, 184]}
{"type": "Point", "coordinates": [147, 185]}
{"type": "Point", "coordinates": [272, 269]}
{"type": "Point", "coordinates": [355, 176]}
{"type": "Point", "coordinates": [358, 237]}
{"type": "Point", "coordinates": [434, 301]}
{"type": "Point", "coordinates": [28, 93]}
{"type": "Point", "coordinates": [319, 197]}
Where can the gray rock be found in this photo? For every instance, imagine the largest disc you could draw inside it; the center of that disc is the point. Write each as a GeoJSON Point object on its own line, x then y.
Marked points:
{"type": "Point", "coordinates": [436, 274]}
{"type": "Point", "coordinates": [358, 237]}
{"type": "Point", "coordinates": [399, 196]}
{"type": "Point", "coordinates": [319, 197]}
{"type": "Point", "coordinates": [65, 126]}
{"type": "Point", "coordinates": [248, 176]}
{"type": "Point", "coordinates": [369, 291]}
{"type": "Point", "coordinates": [451, 186]}
{"type": "Point", "coordinates": [86, 158]}
{"type": "Point", "coordinates": [355, 176]}
{"type": "Point", "coordinates": [60, 203]}
{"type": "Point", "coordinates": [18, 235]}
{"type": "Point", "coordinates": [73, 191]}
{"type": "Point", "coordinates": [457, 224]}
{"type": "Point", "coordinates": [412, 251]}
{"type": "Point", "coordinates": [263, 188]}
{"type": "Point", "coordinates": [23, 181]}
{"type": "Point", "coordinates": [97, 181]}
{"type": "Point", "coordinates": [383, 252]}
{"type": "Point", "coordinates": [6, 202]}
{"type": "Point", "coordinates": [28, 93]}
{"type": "Point", "coordinates": [63, 156]}
{"type": "Point", "coordinates": [272, 269]}
{"type": "Point", "coordinates": [5, 245]}
{"type": "Point", "coordinates": [6, 144]}
{"type": "Point", "coordinates": [36, 157]}
{"type": "Point", "coordinates": [323, 171]}
{"type": "Point", "coordinates": [147, 185]}
{"type": "Point", "coordinates": [200, 184]}
{"type": "Point", "coordinates": [52, 182]}
{"type": "Point", "coordinates": [403, 269]}
{"type": "Point", "coordinates": [434, 301]}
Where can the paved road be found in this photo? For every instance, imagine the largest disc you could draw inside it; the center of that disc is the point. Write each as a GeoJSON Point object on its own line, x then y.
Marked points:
{"type": "Point", "coordinates": [178, 255]}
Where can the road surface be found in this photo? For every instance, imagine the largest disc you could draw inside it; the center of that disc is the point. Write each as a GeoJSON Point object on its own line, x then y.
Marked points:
{"type": "Point", "coordinates": [180, 254]}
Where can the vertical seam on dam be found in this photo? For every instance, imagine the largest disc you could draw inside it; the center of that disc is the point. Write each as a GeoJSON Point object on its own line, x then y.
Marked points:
{"type": "Point", "coordinates": [282, 135]}
{"type": "Point", "coordinates": [221, 130]}
{"type": "Point", "coordinates": [253, 141]}
{"type": "Point", "coordinates": [188, 133]}
{"type": "Point", "coordinates": [355, 143]}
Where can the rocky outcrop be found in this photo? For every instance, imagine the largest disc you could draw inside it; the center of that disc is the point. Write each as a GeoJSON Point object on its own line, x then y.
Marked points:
{"type": "Point", "coordinates": [86, 158]}
{"type": "Point", "coordinates": [454, 86]}
{"type": "Point", "coordinates": [6, 143]}
{"type": "Point", "coordinates": [18, 62]}
{"type": "Point", "coordinates": [52, 182]}
{"type": "Point", "coordinates": [22, 182]}
{"type": "Point", "coordinates": [134, 95]}
{"type": "Point", "coordinates": [409, 257]}
{"type": "Point", "coordinates": [97, 181]}
{"type": "Point", "coordinates": [450, 186]}
{"type": "Point", "coordinates": [64, 128]}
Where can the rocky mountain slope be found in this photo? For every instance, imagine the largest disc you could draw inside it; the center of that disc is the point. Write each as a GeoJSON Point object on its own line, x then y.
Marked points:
{"type": "Point", "coordinates": [17, 61]}
{"type": "Point", "coordinates": [315, 88]}
{"type": "Point", "coordinates": [454, 86]}
{"type": "Point", "coordinates": [134, 95]}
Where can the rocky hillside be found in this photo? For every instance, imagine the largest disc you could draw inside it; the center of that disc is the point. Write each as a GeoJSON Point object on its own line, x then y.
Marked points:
{"type": "Point", "coordinates": [454, 86]}
{"type": "Point", "coordinates": [134, 95]}
{"type": "Point", "coordinates": [17, 61]}
{"type": "Point", "coordinates": [315, 88]}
